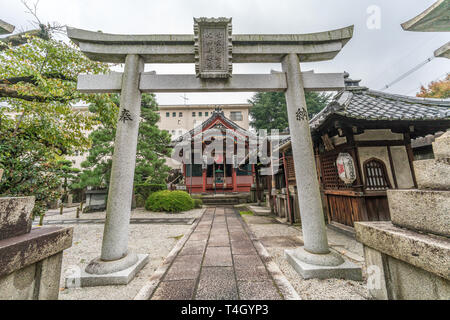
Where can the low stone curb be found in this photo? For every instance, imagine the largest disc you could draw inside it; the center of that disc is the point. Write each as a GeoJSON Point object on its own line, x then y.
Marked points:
{"type": "Point", "coordinates": [147, 291]}
{"type": "Point", "coordinates": [132, 221]}
{"type": "Point", "coordinates": [283, 284]}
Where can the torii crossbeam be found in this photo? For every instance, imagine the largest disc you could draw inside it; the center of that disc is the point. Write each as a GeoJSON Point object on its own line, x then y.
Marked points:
{"type": "Point", "coordinates": [213, 48]}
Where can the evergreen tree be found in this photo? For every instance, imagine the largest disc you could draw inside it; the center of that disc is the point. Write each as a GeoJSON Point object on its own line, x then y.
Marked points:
{"type": "Point", "coordinates": [153, 146]}
{"type": "Point", "coordinates": [269, 109]}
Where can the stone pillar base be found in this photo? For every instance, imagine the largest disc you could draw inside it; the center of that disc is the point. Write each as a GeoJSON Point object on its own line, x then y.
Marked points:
{"type": "Point", "coordinates": [81, 278]}
{"type": "Point", "coordinates": [325, 266]}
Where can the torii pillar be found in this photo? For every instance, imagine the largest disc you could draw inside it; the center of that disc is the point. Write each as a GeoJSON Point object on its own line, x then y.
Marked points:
{"type": "Point", "coordinates": [314, 259]}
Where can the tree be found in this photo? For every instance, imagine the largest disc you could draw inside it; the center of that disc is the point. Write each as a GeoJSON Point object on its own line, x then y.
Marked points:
{"type": "Point", "coordinates": [153, 145]}
{"type": "Point", "coordinates": [38, 125]}
{"type": "Point", "coordinates": [269, 109]}
{"type": "Point", "coordinates": [68, 175]}
{"type": "Point", "coordinates": [436, 89]}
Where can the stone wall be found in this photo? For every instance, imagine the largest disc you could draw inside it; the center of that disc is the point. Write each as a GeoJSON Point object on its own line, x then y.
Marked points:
{"type": "Point", "coordinates": [409, 258]}
{"type": "Point", "coordinates": [30, 264]}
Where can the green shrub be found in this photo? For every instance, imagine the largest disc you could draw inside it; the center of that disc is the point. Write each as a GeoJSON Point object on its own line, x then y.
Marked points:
{"type": "Point", "coordinates": [198, 203]}
{"type": "Point", "coordinates": [169, 201]}
{"type": "Point", "coordinates": [140, 201]}
{"type": "Point", "coordinates": [146, 189]}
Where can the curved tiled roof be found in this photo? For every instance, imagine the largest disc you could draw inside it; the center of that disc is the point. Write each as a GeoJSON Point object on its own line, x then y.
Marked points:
{"type": "Point", "coordinates": [214, 115]}
{"type": "Point", "coordinates": [374, 105]}
{"type": "Point", "coordinates": [365, 104]}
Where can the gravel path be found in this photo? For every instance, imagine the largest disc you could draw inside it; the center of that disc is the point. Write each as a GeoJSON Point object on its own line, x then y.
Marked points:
{"type": "Point", "coordinates": [277, 237]}
{"type": "Point", "coordinates": [155, 239]}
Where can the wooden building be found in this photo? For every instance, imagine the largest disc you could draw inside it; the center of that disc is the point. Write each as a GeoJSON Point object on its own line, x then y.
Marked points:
{"type": "Point", "coordinates": [222, 176]}
{"type": "Point", "coordinates": [362, 142]}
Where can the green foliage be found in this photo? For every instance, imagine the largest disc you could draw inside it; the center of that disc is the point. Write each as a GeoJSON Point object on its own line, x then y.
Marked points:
{"type": "Point", "coordinates": [153, 146]}
{"type": "Point", "coordinates": [146, 189]}
{"type": "Point", "coordinates": [269, 109]}
{"type": "Point", "coordinates": [38, 125]}
{"type": "Point", "coordinates": [30, 169]}
{"type": "Point", "coordinates": [169, 201]}
{"type": "Point", "coordinates": [69, 176]}
{"type": "Point", "coordinates": [248, 213]}
{"type": "Point", "coordinates": [198, 203]}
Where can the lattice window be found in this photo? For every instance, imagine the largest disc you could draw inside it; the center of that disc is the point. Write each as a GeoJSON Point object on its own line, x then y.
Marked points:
{"type": "Point", "coordinates": [376, 175]}
{"type": "Point", "coordinates": [330, 178]}
{"type": "Point", "coordinates": [290, 168]}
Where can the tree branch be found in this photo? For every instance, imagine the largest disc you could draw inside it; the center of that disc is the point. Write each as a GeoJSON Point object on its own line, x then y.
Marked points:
{"type": "Point", "coordinates": [7, 92]}
{"type": "Point", "coordinates": [32, 80]}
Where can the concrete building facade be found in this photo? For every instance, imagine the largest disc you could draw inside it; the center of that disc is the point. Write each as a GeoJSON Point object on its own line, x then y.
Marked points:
{"type": "Point", "coordinates": [179, 119]}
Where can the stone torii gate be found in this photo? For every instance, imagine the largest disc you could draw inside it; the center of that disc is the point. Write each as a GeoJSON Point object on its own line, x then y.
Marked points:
{"type": "Point", "coordinates": [213, 48]}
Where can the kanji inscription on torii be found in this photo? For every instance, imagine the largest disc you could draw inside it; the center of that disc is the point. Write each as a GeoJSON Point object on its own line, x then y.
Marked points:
{"type": "Point", "coordinates": [213, 47]}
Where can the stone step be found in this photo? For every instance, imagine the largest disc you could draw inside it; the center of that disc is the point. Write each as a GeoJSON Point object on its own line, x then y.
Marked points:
{"type": "Point", "coordinates": [220, 201]}
{"type": "Point", "coordinates": [432, 174]}
{"type": "Point", "coordinates": [423, 210]}
{"type": "Point", "coordinates": [259, 211]}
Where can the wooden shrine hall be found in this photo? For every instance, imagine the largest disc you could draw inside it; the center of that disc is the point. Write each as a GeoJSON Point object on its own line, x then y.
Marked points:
{"type": "Point", "coordinates": [362, 143]}
{"type": "Point", "coordinates": [222, 175]}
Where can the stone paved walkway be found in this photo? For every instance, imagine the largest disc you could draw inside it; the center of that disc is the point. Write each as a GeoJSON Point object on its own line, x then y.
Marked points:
{"type": "Point", "coordinates": [218, 261]}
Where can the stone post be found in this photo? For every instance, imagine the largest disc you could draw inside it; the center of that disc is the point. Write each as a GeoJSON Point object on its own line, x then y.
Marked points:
{"type": "Point", "coordinates": [314, 259]}
{"type": "Point", "coordinates": [114, 255]}
{"type": "Point", "coordinates": [313, 223]}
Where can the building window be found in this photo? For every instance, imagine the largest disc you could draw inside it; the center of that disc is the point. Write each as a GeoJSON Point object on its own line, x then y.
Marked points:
{"type": "Point", "coordinates": [193, 114]}
{"type": "Point", "coordinates": [376, 175]}
{"type": "Point", "coordinates": [173, 132]}
{"type": "Point", "coordinates": [194, 170]}
{"type": "Point", "coordinates": [200, 114]}
{"type": "Point", "coordinates": [236, 115]}
{"type": "Point", "coordinates": [206, 113]}
{"type": "Point", "coordinates": [180, 132]}
{"type": "Point", "coordinates": [180, 114]}
{"type": "Point", "coordinates": [167, 114]}
{"type": "Point", "coordinates": [174, 114]}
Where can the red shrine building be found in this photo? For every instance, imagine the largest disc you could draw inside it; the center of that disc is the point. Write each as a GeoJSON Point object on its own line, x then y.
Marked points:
{"type": "Point", "coordinates": [216, 172]}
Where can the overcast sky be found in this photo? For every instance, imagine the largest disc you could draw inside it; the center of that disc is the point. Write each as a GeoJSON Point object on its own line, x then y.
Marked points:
{"type": "Point", "coordinates": [375, 55]}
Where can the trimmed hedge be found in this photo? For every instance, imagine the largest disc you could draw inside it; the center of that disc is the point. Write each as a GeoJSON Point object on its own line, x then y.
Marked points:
{"type": "Point", "coordinates": [169, 201]}
{"type": "Point", "coordinates": [146, 189]}
{"type": "Point", "coordinates": [198, 203]}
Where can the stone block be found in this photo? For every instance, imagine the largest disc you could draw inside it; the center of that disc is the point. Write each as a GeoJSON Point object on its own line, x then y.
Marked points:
{"type": "Point", "coordinates": [15, 216]}
{"type": "Point", "coordinates": [18, 285]}
{"type": "Point", "coordinates": [423, 210]}
{"type": "Point", "coordinates": [346, 270]}
{"type": "Point", "coordinates": [407, 282]}
{"type": "Point", "coordinates": [391, 279]}
{"type": "Point", "coordinates": [441, 147]}
{"type": "Point", "coordinates": [175, 290]}
{"type": "Point", "coordinates": [218, 257]}
{"type": "Point", "coordinates": [41, 243]}
{"type": "Point", "coordinates": [376, 279]}
{"type": "Point", "coordinates": [217, 283]}
{"type": "Point", "coordinates": [37, 281]}
{"type": "Point", "coordinates": [262, 290]}
{"type": "Point", "coordinates": [428, 252]}
{"type": "Point", "coordinates": [49, 274]}
{"type": "Point", "coordinates": [80, 278]}
{"type": "Point", "coordinates": [432, 174]}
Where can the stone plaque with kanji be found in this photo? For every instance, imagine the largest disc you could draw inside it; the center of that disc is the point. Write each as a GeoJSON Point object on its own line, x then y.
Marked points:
{"type": "Point", "coordinates": [213, 47]}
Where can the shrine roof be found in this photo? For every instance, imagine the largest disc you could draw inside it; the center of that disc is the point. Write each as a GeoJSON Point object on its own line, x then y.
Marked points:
{"type": "Point", "coordinates": [205, 124]}
{"type": "Point", "coordinates": [364, 104]}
